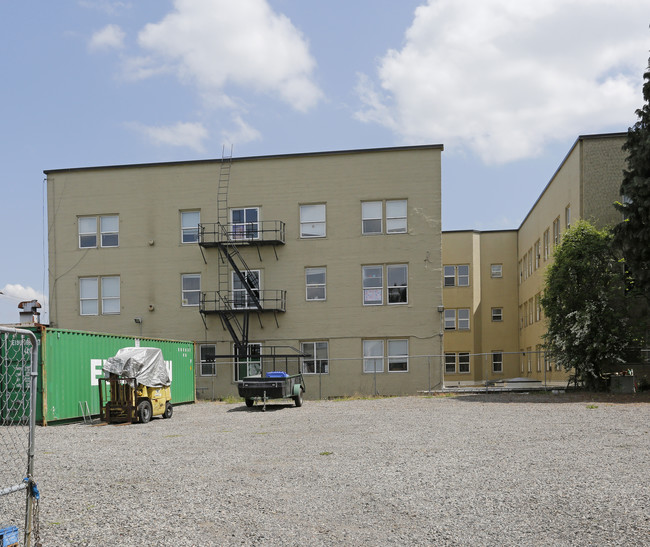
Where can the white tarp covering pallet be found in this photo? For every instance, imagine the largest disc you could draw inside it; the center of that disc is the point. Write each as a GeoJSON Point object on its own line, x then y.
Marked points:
{"type": "Point", "coordinates": [146, 365]}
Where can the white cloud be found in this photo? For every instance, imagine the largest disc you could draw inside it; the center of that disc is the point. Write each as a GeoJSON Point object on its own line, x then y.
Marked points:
{"type": "Point", "coordinates": [190, 135]}
{"type": "Point", "coordinates": [19, 292]}
{"type": "Point", "coordinates": [242, 133]}
{"type": "Point", "coordinates": [216, 43]}
{"type": "Point", "coordinates": [12, 295]}
{"type": "Point", "coordinates": [141, 68]}
{"type": "Point", "coordinates": [110, 37]}
{"type": "Point", "coordinates": [504, 77]}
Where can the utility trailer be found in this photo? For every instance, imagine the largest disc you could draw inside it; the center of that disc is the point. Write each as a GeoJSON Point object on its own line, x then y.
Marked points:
{"type": "Point", "coordinates": [274, 385]}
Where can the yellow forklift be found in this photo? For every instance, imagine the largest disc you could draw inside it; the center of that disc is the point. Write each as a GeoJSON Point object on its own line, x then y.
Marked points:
{"type": "Point", "coordinates": [135, 387]}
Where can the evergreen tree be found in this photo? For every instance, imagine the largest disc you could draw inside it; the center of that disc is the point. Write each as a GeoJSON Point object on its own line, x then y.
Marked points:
{"type": "Point", "coordinates": [584, 305]}
{"type": "Point", "coordinates": [632, 235]}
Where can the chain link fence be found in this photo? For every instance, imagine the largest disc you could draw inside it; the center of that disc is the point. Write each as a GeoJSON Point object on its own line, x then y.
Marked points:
{"type": "Point", "coordinates": [18, 491]}
{"type": "Point", "coordinates": [329, 377]}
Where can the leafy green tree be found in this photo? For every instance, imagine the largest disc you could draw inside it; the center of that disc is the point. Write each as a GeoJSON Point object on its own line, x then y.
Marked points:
{"type": "Point", "coordinates": [632, 235]}
{"type": "Point", "coordinates": [584, 304]}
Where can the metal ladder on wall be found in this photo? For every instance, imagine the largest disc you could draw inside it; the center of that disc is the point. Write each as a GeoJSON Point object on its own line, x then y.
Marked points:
{"type": "Point", "coordinates": [223, 217]}
{"type": "Point", "coordinates": [230, 259]}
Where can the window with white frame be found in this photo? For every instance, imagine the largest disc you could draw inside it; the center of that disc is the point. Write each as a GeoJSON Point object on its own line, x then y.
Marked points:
{"type": "Point", "coordinates": [312, 220]}
{"type": "Point", "coordinates": [456, 275]}
{"type": "Point", "coordinates": [371, 217]}
{"type": "Point", "coordinates": [463, 275]}
{"type": "Point", "coordinates": [457, 319]}
{"type": "Point", "coordinates": [87, 232]}
{"type": "Point", "coordinates": [396, 216]}
{"type": "Point", "coordinates": [190, 226]}
{"type": "Point", "coordinates": [397, 279]}
{"type": "Point", "coordinates": [241, 296]}
{"type": "Point", "coordinates": [457, 362]}
{"type": "Point", "coordinates": [497, 314]}
{"type": "Point", "coordinates": [190, 289]}
{"type": "Point", "coordinates": [525, 314]}
{"type": "Point", "coordinates": [208, 354]}
{"type": "Point", "coordinates": [398, 355]}
{"type": "Point", "coordinates": [110, 288]}
{"type": "Point", "coordinates": [315, 283]}
{"type": "Point", "coordinates": [248, 361]}
{"type": "Point", "coordinates": [450, 363]}
{"type": "Point", "coordinates": [396, 284]}
{"type": "Point", "coordinates": [373, 285]}
{"type": "Point", "coordinates": [547, 240]}
{"type": "Point", "coordinates": [450, 319]}
{"type": "Point", "coordinates": [108, 231]}
{"type": "Point", "coordinates": [373, 356]}
{"type": "Point", "coordinates": [463, 319]}
{"type": "Point", "coordinates": [538, 353]}
{"type": "Point", "coordinates": [529, 359]}
{"type": "Point", "coordinates": [88, 296]}
{"type": "Point", "coordinates": [449, 276]}
{"type": "Point", "coordinates": [93, 290]}
{"type": "Point", "coordinates": [567, 216]}
{"type": "Point", "coordinates": [109, 227]}
{"type": "Point", "coordinates": [556, 232]}
{"type": "Point", "coordinates": [496, 270]}
{"type": "Point", "coordinates": [497, 361]}
{"type": "Point", "coordinates": [537, 253]}
{"type": "Point", "coordinates": [538, 307]}
{"type": "Point", "coordinates": [316, 360]}
{"type": "Point", "coordinates": [244, 223]}
{"type": "Point", "coordinates": [463, 362]}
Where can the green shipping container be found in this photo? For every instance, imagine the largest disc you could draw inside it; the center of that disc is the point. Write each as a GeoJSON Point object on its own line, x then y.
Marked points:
{"type": "Point", "coordinates": [71, 365]}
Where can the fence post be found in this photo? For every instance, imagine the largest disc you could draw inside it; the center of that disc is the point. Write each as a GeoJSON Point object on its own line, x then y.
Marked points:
{"type": "Point", "coordinates": [28, 483]}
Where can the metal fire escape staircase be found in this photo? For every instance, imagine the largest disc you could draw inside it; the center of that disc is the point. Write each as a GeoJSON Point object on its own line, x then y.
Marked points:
{"type": "Point", "coordinates": [234, 309]}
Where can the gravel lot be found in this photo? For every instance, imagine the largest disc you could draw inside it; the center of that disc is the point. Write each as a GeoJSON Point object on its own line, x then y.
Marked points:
{"type": "Point", "coordinates": [468, 470]}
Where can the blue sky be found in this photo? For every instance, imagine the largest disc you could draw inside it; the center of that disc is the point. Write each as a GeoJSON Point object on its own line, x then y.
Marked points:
{"type": "Point", "coordinates": [507, 86]}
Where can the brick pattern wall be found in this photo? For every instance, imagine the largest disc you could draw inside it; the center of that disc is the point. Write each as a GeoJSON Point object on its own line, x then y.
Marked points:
{"type": "Point", "coordinates": [603, 164]}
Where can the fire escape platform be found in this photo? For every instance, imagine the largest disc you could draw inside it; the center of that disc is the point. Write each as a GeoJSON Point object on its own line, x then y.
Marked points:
{"type": "Point", "coordinates": [266, 232]}
{"type": "Point", "coordinates": [227, 302]}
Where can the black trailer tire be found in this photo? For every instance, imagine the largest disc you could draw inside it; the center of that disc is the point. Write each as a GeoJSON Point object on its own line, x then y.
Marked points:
{"type": "Point", "coordinates": [298, 398]}
{"type": "Point", "coordinates": [169, 410]}
{"type": "Point", "coordinates": [144, 412]}
{"type": "Point", "coordinates": [250, 402]}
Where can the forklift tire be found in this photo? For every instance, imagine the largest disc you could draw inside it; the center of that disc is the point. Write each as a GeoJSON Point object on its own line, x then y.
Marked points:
{"type": "Point", "coordinates": [144, 412]}
{"type": "Point", "coordinates": [250, 402]}
{"type": "Point", "coordinates": [298, 398]}
{"type": "Point", "coordinates": [169, 410]}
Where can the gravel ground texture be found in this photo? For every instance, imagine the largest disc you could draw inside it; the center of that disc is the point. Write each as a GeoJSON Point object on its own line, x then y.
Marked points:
{"type": "Point", "coordinates": [497, 469]}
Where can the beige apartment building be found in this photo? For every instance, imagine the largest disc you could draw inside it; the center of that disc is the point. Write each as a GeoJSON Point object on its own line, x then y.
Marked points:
{"type": "Point", "coordinates": [493, 281]}
{"type": "Point", "coordinates": [330, 262]}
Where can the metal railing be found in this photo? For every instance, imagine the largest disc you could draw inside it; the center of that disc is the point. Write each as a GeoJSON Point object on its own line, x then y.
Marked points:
{"type": "Point", "coordinates": [233, 301]}
{"type": "Point", "coordinates": [242, 233]}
